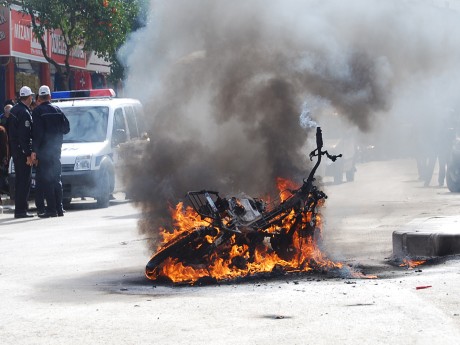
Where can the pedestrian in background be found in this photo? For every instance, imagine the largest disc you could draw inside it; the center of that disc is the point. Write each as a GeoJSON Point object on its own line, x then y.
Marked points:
{"type": "Point", "coordinates": [440, 140]}
{"type": "Point", "coordinates": [3, 162]}
{"type": "Point", "coordinates": [4, 149]}
{"type": "Point", "coordinates": [6, 114]}
{"type": "Point", "coordinates": [48, 132]}
{"type": "Point", "coordinates": [446, 137]}
{"type": "Point", "coordinates": [8, 102]}
{"type": "Point", "coordinates": [20, 143]}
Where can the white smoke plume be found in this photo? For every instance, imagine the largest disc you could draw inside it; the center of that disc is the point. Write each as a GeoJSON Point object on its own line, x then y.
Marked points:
{"type": "Point", "coordinates": [224, 85]}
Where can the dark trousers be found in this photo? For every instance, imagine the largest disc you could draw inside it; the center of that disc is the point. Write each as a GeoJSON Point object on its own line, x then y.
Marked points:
{"type": "Point", "coordinates": [39, 193]}
{"type": "Point", "coordinates": [23, 174]}
{"type": "Point", "coordinates": [50, 180]}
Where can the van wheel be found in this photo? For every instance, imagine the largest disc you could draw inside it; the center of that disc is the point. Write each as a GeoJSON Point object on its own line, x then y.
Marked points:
{"type": "Point", "coordinates": [103, 198]}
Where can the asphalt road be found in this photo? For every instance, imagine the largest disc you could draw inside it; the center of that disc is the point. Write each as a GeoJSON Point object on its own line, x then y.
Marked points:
{"type": "Point", "coordinates": [79, 279]}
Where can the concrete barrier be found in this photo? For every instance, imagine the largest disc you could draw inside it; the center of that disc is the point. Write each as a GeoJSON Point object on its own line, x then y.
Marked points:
{"type": "Point", "coordinates": [428, 237]}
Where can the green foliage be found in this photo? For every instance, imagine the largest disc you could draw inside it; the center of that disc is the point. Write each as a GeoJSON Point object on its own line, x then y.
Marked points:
{"type": "Point", "coordinates": [98, 25]}
{"type": "Point", "coordinates": [107, 26]}
{"type": "Point", "coordinates": [117, 70]}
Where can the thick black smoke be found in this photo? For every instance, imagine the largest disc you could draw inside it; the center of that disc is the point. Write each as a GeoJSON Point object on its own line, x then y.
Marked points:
{"type": "Point", "coordinates": [223, 84]}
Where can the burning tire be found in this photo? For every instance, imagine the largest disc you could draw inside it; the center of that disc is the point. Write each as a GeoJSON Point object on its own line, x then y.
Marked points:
{"type": "Point", "coordinates": [180, 247]}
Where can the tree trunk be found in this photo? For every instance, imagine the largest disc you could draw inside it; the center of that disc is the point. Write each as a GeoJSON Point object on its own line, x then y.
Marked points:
{"type": "Point", "coordinates": [62, 81]}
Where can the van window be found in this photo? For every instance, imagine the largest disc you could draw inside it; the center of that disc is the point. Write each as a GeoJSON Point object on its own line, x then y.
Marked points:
{"type": "Point", "coordinates": [139, 114]}
{"type": "Point", "coordinates": [87, 124]}
{"type": "Point", "coordinates": [119, 134]}
{"type": "Point", "coordinates": [118, 120]}
{"type": "Point", "coordinates": [131, 119]}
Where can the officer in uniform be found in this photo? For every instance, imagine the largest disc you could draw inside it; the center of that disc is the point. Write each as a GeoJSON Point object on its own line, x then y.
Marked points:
{"type": "Point", "coordinates": [50, 125]}
{"type": "Point", "coordinates": [20, 142]}
{"type": "Point", "coordinates": [39, 193]}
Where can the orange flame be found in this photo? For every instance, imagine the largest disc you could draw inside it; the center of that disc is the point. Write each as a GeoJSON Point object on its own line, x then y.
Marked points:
{"type": "Point", "coordinates": [285, 186]}
{"type": "Point", "coordinates": [411, 264]}
{"type": "Point", "coordinates": [306, 255]}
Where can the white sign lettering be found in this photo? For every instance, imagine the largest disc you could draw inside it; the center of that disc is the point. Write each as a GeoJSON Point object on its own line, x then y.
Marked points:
{"type": "Point", "coordinates": [22, 32]}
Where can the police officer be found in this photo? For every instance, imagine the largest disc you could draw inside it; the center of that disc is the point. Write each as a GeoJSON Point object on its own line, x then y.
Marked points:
{"type": "Point", "coordinates": [39, 193]}
{"type": "Point", "coordinates": [20, 142]}
{"type": "Point", "coordinates": [50, 125]}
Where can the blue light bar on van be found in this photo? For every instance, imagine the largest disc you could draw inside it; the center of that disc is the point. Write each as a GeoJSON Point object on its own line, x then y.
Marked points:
{"type": "Point", "coordinates": [82, 94]}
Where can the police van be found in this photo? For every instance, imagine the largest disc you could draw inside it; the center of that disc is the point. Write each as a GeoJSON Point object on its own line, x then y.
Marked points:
{"type": "Point", "coordinates": [99, 124]}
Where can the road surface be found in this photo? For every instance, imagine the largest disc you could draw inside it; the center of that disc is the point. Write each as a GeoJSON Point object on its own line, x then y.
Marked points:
{"type": "Point", "coordinates": [79, 279]}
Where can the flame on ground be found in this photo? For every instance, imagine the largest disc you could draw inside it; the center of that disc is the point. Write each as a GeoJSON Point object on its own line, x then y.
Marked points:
{"type": "Point", "coordinates": [411, 264]}
{"type": "Point", "coordinates": [237, 260]}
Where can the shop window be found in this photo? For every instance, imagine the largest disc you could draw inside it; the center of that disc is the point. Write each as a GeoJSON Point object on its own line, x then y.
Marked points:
{"type": "Point", "coordinates": [27, 73]}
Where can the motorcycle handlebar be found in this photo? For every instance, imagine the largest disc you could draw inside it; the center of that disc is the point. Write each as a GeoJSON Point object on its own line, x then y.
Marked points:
{"type": "Point", "coordinates": [319, 138]}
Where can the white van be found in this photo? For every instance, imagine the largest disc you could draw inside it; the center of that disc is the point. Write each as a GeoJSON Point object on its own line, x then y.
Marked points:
{"type": "Point", "coordinates": [99, 123]}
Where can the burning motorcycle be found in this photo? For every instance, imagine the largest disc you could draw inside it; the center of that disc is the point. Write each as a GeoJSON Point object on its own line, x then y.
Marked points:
{"type": "Point", "coordinates": [240, 236]}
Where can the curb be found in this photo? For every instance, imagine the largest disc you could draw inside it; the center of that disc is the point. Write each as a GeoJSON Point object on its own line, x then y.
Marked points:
{"type": "Point", "coordinates": [428, 237]}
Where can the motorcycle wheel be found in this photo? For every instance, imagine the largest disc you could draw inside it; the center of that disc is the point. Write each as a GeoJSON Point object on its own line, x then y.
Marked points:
{"type": "Point", "coordinates": [177, 248]}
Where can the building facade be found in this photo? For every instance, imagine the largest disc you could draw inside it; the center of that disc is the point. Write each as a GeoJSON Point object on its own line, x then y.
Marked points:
{"type": "Point", "coordinates": [22, 61]}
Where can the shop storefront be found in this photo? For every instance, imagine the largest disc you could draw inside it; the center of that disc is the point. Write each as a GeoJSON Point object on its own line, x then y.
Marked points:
{"type": "Point", "coordinates": [22, 61]}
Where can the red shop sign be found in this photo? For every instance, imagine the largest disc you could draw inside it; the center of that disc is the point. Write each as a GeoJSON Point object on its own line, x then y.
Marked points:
{"type": "Point", "coordinates": [23, 42]}
{"type": "Point", "coordinates": [19, 41]}
{"type": "Point", "coordinates": [77, 56]}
